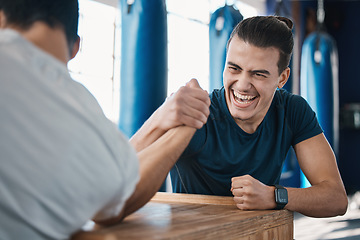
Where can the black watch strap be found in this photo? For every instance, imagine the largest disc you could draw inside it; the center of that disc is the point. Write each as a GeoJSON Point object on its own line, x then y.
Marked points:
{"type": "Point", "coordinates": [281, 197]}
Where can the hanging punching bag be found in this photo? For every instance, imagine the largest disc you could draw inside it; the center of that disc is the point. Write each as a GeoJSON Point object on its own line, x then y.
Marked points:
{"type": "Point", "coordinates": [319, 84]}
{"type": "Point", "coordinates": [222, 22]}
{"type": "Point", "coordinates": [143, 84]}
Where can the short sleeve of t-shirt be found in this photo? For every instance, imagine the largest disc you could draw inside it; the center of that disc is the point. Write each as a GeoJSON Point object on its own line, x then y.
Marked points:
{"type": "Point", "coordinates": [302, 119]}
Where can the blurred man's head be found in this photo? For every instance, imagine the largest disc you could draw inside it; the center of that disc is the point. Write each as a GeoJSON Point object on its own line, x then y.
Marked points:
{"type": "Point", "coordinates": [64, 14]}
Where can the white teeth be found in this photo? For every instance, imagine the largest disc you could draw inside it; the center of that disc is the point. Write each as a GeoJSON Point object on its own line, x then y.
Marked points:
{"type": "Point", "coordinates": [243, 97]}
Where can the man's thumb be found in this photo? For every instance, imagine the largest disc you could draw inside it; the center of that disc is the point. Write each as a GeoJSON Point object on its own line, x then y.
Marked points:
{"type": "Point", "coordinates": [193, 83]}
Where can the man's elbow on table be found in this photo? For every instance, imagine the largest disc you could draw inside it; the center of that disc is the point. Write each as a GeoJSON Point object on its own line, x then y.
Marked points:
{"type": "Point", "coordinates": [111, 221]}
{"type": "Point", "coordinates": [338, 205]}
{"type": "Point", "coordinates": [338, 200]}
{"type": "Point", "coordinates": [342, 205]}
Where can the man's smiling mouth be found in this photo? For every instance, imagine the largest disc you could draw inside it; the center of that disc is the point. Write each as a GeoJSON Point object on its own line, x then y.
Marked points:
{"type": "Point", "coordinates": [243, 99]}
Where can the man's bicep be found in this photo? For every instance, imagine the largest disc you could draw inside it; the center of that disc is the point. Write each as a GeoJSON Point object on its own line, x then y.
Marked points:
{"type": "Point", "coordinates": [317, 160]}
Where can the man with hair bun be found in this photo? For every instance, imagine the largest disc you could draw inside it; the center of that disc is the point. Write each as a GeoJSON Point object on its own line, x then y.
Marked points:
{"type": "Point", "coordinates": [252, 124]}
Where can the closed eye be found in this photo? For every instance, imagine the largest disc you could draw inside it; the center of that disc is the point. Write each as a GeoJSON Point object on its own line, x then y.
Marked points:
{"type": "Point", "coordinates": [233, 66]}
{"type": "Point", "coordinates": [260, 75]}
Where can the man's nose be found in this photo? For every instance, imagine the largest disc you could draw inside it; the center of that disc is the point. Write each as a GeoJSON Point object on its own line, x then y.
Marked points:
{"type": "Point", "coordinates": [243, 82]}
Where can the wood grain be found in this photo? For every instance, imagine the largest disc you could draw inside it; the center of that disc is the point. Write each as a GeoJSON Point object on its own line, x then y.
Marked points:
{"type": "Point", "coordinates": [192, 198]}
{"type": "Point", "coordinates": [187, 216]}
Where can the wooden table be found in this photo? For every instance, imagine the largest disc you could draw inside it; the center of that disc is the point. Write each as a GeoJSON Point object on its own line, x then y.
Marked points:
{"type": "Point", "coordinates": [189, 216]}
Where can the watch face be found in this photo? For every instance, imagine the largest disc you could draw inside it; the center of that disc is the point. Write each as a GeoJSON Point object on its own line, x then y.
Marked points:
{"type": "Point", "coordinates": [281, 196]}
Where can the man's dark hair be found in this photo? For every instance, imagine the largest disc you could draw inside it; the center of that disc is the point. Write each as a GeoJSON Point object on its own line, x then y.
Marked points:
{"type": "Point", "coordinates": [55, 13]}
{"type": "Point", "coordinates": [268, 31]}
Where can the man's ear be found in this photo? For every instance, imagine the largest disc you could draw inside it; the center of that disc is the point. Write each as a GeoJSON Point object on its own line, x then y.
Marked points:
{"type": "Point", "coordinates": [2, 19]}
{"type": "Point", "coordinates": [284, 76]}
{"type": "Point", "coordinates": [75, 48]}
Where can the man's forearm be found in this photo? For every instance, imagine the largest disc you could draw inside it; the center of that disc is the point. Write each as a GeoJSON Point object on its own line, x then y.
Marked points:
{"type": "Point", "coordinates": [322, 200]}
{"type": "Point", "coordinates": [156, 160]}
{"type": "Point", "coordinates": [146, 135]}
{"type": "Point", "coordinates": [327, 196]}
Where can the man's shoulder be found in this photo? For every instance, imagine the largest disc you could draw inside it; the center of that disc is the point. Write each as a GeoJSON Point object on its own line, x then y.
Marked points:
{"type": "Point", "coordinates": [10, 42]}
{"type": "Point", "coordinates": [286, 99]}
{"type": "Point", "coordinates": [215, 95]}
{"type": "Point", "coordinates": [218, 107]}
{"type": "Point", "coordinates": [8, 36]}
{"type": "Point", "coordinates": [299, 115]}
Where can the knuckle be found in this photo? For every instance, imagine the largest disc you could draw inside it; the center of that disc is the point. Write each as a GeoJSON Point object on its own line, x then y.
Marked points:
{"type": "Point", "coordinates": [178, 114]}
{"type": "Point", "coordinates": [198, 124]}
{"type": "Point", "coordinates": [178, 99]}
{"type": "Point", "coordinates": [246, 192]}
{"type": "Point", "coordinates": [207, 112]}
{"type": "Point", "coordinates": [183, 89]}
{"type": "Point", "coordinates": [246, 182]}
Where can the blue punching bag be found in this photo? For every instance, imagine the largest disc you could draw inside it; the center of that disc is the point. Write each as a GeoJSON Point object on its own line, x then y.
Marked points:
{"type": "Point", "coordinates": [143, 85]}
{"type": "Point", "coordinates": [222, 22]}
{"type": "Point", "coordinates": [319, 84]}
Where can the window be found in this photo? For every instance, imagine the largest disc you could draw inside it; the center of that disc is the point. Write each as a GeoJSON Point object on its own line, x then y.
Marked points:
{"type": "Point", "coordinates": [94, 64]}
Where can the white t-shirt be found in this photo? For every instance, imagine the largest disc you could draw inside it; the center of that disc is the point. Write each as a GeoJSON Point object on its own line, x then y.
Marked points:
{"type": "Point", "coordinates": [62, 161]}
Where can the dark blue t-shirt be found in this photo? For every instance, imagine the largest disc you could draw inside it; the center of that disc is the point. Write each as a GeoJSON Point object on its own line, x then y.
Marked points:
{"type": "Point", "coordinates": [221, 150]}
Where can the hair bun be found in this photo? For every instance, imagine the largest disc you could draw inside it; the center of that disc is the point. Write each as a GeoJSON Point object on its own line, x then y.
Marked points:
{"type": "Point", "coordinates": [287, 21]}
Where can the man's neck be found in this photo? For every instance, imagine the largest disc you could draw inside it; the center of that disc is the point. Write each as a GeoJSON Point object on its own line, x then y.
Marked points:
{"type": "Point", "coordinates": [247, 127]}
{"type": "Point", "coordinates": [50, 40]}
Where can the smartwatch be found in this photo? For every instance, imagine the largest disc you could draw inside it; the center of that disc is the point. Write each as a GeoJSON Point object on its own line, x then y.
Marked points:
{"type": "Point", "coordinates": [281, 197]}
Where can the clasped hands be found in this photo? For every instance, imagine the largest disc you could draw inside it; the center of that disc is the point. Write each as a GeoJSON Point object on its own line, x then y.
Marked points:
{"type": "Point", "coordinates": [188, 106]}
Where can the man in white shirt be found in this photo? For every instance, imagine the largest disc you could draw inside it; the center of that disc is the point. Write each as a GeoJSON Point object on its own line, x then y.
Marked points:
{"type": "Point", "coordinates": [62, 161]}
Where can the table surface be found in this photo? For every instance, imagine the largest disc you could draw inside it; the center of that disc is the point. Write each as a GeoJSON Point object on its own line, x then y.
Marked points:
{"type": "Point", "coordinates": [190, 216]}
